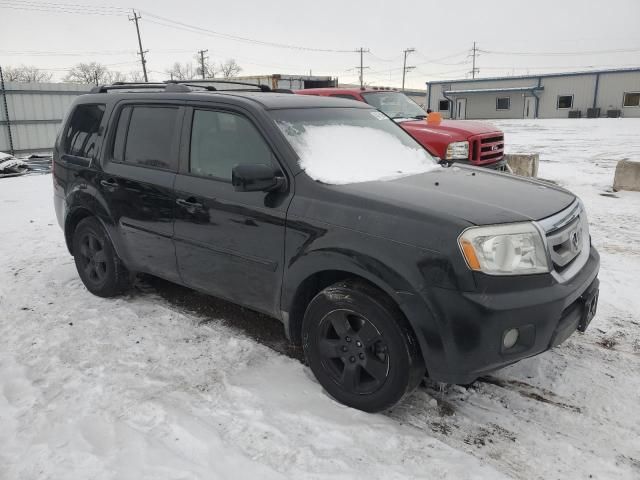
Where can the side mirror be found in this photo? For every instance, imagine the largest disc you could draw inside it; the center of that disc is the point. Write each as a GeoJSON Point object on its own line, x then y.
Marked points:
{"type": "Point", "coordinates": [257, 177]}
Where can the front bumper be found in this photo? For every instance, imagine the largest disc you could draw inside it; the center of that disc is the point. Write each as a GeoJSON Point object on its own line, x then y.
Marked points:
{"type": "Point", "coordinates": [472, 324]}
{"type": "Point", "coordinates": [500, 165]}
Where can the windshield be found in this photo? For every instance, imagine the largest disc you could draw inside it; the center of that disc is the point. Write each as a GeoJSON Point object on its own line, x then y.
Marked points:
{"type": "Point", "coordinates": [350, 145]}
{"type": "Point", "coordinates": [394, 104]}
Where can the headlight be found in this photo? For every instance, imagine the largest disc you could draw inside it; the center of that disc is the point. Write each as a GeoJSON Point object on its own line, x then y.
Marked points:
{"type": "Point", "coordinates": [511, 249]}
{"type": "Point", "coordinates": [458, 151]}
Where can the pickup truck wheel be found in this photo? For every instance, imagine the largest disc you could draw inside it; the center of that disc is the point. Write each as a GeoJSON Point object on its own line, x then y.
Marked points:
{"type": "Point", "coordinates": [98, 265]}
{"type": "Point", "coordinates": [359, 347]}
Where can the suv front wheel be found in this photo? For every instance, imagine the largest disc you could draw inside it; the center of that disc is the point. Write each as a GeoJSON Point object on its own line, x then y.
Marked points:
{"type": "Point", "coordinates": [360, 348]}
{"type": "Point", "coordinates": [99, 267]}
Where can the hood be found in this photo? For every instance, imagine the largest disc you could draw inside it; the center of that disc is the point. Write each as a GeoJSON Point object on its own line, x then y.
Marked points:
{"type": "Point", "coordinates": [452, 130]}
{"type": "Point", "coordinates": [474, 195]}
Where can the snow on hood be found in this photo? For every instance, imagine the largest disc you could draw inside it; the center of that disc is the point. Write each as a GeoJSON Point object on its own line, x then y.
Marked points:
{"type": "Point", "coordinates": [342, 154]}
{"type": "Point", "coordinates": [5, 156]}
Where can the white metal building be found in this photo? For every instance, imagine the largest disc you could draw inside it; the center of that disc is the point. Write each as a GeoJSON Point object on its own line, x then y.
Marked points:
{"type": "Point", "coordinates": [31, 113]}
{"type": "Point", "coordinates": [597, 93]}
{"type": "Point", "coordinates": [290, 82]}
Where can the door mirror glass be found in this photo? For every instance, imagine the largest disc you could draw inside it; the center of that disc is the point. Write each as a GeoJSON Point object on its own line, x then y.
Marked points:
{"type": "Point", "coordinates": [257, 177]}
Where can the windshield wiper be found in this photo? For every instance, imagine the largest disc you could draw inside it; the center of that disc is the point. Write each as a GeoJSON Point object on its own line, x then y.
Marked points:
{"type": "Point", "coordinates": [419, 117]}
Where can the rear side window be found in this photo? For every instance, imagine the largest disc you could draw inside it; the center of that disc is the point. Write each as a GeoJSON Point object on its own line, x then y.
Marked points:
{"type": "Point", "coordinates": [221, 140]}
{"type": "Point", "coordinates": [81, 137]}
{"type": "Point", "coordinates": [146, 135]}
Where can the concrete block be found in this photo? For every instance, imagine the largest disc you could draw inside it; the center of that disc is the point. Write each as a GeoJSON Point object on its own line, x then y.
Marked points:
{"type": "Point", "coordinates": [525, 165]}
{"type": "Point", "coordinates": [627, 176]}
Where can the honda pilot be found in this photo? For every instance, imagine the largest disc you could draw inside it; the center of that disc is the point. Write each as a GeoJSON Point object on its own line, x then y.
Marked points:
{"type": "Point", "coordinates": [325, 214]}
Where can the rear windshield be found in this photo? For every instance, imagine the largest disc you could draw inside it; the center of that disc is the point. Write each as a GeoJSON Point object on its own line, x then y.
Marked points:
{"type": "Point", "coordinates": [394, 104]}
{"type": "Point", "coordinates": [350, 145]}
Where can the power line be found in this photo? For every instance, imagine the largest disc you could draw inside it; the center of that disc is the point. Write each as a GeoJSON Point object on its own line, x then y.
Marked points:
{"type": "Point", "coordinates": [194, 28]}
{"type": "Point", "coordinates": [62, 8]}
{"type": "Point", "coordinates": [439, 59]}
{"type": "Point", "coordinates": [382, 59]}
{"type": "Point", "coordinates": [542, 54]}
{"type": "Point", "coordinates": [142, 52]}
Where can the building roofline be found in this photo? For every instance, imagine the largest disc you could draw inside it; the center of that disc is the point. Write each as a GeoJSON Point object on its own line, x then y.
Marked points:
{"type": "Point", "coordinates": [540, 75]}
{"type": "Point", "coordinates": [493, 90]}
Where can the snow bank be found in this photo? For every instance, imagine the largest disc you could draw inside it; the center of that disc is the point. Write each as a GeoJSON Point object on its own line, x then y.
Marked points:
{"type": "Point", "coordinates": [341, 154]}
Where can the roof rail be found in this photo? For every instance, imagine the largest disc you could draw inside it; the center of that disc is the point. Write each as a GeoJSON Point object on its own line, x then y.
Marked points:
{"type": "Point", "coordinates": [177, 86]}
{"type": "Point", "coordinates": [200, 83]}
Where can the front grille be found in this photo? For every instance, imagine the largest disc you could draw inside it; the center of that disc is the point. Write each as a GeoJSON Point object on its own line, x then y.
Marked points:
{"type": "Point", "coordinates": [486, 148]}
{"type": "Point", "coordinates": [565, 244]}
{"type": "Point", "coordinates": [567, 238]}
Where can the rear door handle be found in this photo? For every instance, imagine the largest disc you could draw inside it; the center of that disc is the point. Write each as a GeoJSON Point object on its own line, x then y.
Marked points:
{"type": "Point", "coordinates": [188, 203]}
{"type": "Point", "coordinates": [111, 183]}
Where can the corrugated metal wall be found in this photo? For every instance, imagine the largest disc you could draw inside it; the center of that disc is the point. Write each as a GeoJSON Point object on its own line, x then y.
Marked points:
{"type": "Point", "coordinates": [608, 92]}
{"type": "Point", "coordinates": [35, 111]}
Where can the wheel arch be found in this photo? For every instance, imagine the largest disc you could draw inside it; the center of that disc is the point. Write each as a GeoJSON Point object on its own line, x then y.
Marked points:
{"type": "Point", "coordinates": [301, 287]}
{"type": "Point", "coordinates": [75, 216]}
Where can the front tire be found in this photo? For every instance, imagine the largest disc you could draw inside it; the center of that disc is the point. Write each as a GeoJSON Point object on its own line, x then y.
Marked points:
{"type": "Point", "coordinates": [98, 265]}
{"type": "Point", "coordinates": [360, 347]}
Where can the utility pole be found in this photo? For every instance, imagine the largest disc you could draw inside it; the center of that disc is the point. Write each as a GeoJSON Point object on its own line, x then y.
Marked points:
{"type": "Point", "coordinates": [143, 60]}
{"type": "Point", "coordinates": [202, 52]}
{"type": "Point", "coordinates": [405, 69]}
{"type": "Point", "coordinates": [362, 67]}
{"type": "Point", "coordinates": [474, 70]}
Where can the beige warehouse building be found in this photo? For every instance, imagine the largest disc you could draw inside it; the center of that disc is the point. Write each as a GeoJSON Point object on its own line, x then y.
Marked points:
{"type": "Point", "coordinates": [596, 93]}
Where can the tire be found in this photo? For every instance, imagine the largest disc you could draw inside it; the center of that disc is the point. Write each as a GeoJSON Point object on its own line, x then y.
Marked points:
{"type": "Point", "coordinates": [98, 265]}
{"type": "Point", "coordinates": [360, 347]}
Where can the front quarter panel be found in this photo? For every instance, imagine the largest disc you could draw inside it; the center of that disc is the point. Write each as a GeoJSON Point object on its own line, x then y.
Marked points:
{"type": "Point", "coordinates": [406, 273]}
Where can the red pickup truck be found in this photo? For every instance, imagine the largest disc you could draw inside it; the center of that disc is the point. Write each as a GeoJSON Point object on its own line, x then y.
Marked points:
{"type": "Point", "coordinates": [476, 143]}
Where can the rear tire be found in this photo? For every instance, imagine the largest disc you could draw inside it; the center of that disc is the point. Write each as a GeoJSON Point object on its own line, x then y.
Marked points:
{"type": "Point", "coordinates": [98, 265]}
{"type": "Point", "coordinates": [360, 346]}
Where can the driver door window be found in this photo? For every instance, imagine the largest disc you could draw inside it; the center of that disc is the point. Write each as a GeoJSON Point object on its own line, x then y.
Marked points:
{"type": "Point", "coordinates": [220, 141]}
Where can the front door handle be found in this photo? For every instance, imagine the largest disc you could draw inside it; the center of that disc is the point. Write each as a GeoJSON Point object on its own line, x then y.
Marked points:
{"type": "Point", "coordinates": [189, 203]}
{"type": "Point", "coordinates": [110, 183]}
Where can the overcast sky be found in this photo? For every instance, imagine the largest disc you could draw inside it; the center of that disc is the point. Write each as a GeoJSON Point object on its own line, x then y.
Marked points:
{"type": "Point", "coordinates": [515, 37]}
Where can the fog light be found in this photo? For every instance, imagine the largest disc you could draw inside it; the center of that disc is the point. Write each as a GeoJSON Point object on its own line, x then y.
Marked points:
{"type": "Point", "coordinates": [510, 338]}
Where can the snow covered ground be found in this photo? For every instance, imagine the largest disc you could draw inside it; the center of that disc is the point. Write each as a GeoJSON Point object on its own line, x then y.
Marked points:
{"type": "Point", "coordinates": [140, 388]}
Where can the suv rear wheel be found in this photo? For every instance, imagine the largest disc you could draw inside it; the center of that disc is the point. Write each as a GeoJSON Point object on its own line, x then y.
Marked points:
{"type": "Point", "coordinates": [360, 347]}
{"type": "Point", "coordinates": [99, 267]}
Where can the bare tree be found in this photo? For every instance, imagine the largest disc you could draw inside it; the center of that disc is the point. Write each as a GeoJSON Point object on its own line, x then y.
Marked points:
{"type": "Point", "coordinates": [179, 71]}
{"type": "Point", "coordinates": [93, 72]}
{"type": "Point", "coordinates": [209, 71]}
{"type": "Point", "coordinates": [136, 76]}
{"type": "Point", "coordinates": [112, 77]}
{"type": "Point", "coordinates": [209, 68]}
{"type": "Point", "coordinates": [26, 74]}
{"type": "Point", "coordinates": [230, 68]}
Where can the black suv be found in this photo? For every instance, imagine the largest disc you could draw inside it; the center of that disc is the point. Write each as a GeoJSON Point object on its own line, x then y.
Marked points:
{"type": "Point", "coordinates": [449, 272]}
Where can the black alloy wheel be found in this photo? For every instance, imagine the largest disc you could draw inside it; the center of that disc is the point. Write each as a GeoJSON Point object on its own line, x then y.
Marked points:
{"type": "Point", "coordinates": [353, 351]}
{"type": "Point", "coordinates": [93, 258]}
{"type": "Point", "coordinates": [360, 346]}
{"type": "Point", "coordinates": [98, 265]}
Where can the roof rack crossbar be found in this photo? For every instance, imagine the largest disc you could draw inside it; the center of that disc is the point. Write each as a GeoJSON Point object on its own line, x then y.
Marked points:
{"type": "Point", "coordinates": [127, 85]}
